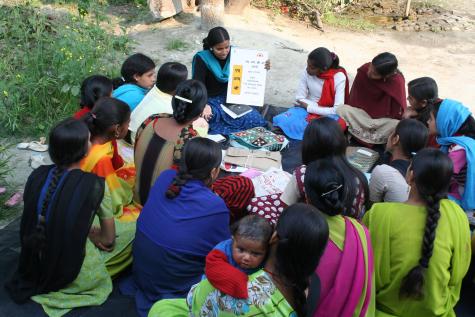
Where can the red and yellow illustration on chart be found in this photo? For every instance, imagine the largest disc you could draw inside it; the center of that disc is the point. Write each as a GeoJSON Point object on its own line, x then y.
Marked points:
{"type": "Point", "coordinates": [236, 79]}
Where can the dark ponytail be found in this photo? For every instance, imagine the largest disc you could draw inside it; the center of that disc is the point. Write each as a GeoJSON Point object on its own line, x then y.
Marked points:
{"type": "Point", "coordinates": [424, 89]}
{"type": "Point", "coordinates": [325, 187]}
{"type": "Point", "coordinates": [93, 88]}
{"type": "Point", "coordinates": [385, 64]}
{"type": "Point", "coordinates": [323, 59]}
{"type": "Point", "coordinates": [413, 136]}
{"type": "Point", "coordinates": [432, 171]}
{"type": "Point", "coordinates": [215, 36]}
{"type": "Point", "coordinates": [300, 228]}
{"type": "Point", "coordinates": [189, 101]}
{"type": "Point", "coordinates": [107, 112]}
{"type": "Point", "coordinates": [136, 64]}
{"type": "Point", "coordinates": [200, 156]}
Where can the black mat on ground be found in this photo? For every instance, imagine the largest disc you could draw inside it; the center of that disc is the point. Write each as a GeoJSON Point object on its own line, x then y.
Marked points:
{"type": "Point", "coordinates": [116, 304]}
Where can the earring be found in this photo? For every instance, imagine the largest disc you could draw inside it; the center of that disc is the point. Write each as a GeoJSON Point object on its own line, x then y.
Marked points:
{"type": "Point", "coordinates": [117, 134]}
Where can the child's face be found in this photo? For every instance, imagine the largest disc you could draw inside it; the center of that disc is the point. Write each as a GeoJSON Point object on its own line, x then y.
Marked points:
{"type": "Point", "coordinates": [248, 253]}
{"type": "Point", "coordinates": [146, 80]}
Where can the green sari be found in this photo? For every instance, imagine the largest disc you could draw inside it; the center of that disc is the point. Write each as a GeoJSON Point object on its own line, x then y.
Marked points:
{"type": "Point", "coordinates": [397, 230]}
{"type": "Point", "coordinates": [204, 300]}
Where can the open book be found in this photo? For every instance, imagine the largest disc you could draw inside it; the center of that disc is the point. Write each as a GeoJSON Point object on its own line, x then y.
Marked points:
{"type": "Point", "coordinates": [236, 111]}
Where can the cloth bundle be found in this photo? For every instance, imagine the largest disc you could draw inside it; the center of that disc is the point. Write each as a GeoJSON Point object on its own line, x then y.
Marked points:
{"type": "Point", "coordinates": [262, 160]}
{"type": "Point", "coordinates": [260, 138]}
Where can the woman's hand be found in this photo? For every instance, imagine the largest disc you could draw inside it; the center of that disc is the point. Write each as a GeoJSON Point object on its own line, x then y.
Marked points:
{"type": "Point", "coordinates": [301, 104]}
{"type": "Point", "coordinates": [207, 113]}
{"type": "Point", "coordinates": [267, 65]}
{"type": "Point", "coordinates": [409, 113]}
{"type": "Point", "coordinates": [95, 235]}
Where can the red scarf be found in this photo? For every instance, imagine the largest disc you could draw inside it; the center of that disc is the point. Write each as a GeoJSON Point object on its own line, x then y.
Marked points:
{"type": "Point", "coordinates": [379, 98]}
{"type": "Point", "coordinates": [327, 98]}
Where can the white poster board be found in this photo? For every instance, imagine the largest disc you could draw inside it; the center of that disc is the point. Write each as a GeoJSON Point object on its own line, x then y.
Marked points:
{"type": "Point", "coordinates": [247, 77]}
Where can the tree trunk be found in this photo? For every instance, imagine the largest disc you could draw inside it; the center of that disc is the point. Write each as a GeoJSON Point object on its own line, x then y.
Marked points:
{"type": "Point", "coordinates": [212, 12]}
{"type": "Point", "coordinates": [162, 9]}
{"type": "Point", "coordinates": [236, 6]}
{"type": "Point", "coordinates": [408, 8]}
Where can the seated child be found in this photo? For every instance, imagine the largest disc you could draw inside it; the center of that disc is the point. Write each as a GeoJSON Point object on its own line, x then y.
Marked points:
{"type": "Point", "coordinates": [92, 89]}
{"type": "Point", "coordinates": [159, 98]}
{"type": "Point", "coordinates": [138, 76]}
{"type": "Point", "coordinates": [231, 261]}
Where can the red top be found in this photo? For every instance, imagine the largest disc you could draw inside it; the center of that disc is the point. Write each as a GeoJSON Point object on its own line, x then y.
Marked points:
{"type": "Point", "coordinates": [379, 98]}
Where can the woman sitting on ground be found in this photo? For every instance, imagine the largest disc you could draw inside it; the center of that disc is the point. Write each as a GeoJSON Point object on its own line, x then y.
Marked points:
{"type": "Point", "coordinates": [138, 76]}
{"type": "Point", "coordinates": [94, 88]}
{"type": "Point", "coordinates": [409, 282]}
{"type": "Point", "coordinates": [422, 95]}
{"type": "Point", "coordinates": [57, 258]}
{"type": "Point", "coordinates": [160, 139]}
{"type": "Point", "coordinates": [323, 87]}
{"type": "Point", "coordinates": [346, 268]}
{"type": "Point", "coordinates": [211, 67]}
{"type": "Point", "coordinates": [388, 181]}
{"type": "Point", "coordinates": [379, 88]}
{"type": "Point", "coordinates": [279, 289]}
{"type": "Point", "coordinates": [454, 126]}
{"type": "Point", "coordinates": [179, 225]}
{"type": "Point", "coordinates": [324, 138]}
{"type": "Point", "coordinates": [159, 98]}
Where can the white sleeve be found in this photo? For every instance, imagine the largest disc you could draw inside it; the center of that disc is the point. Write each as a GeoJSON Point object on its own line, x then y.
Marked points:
{"type": "Point", "coordinates": [291, 192]}
{"type": "Point", "coordinates": [377, 185]}
{"type": "Point", "coordinates": [340, 83]}
{"type": "Point", "coordinates": [302, 89]}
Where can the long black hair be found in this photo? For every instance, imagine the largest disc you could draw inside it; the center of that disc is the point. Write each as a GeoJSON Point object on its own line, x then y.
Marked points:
{"type": "Point", "coordinates": [199, 157]}
{"type": "Point", "coordinates": [303, 234]}
{"type": "Point", "coordinates": [195, 95]}
{"type": "Point", "coordinates": [107, 112]}
{"type": "Point", "coordinates": [93, 88]}
{"type": "Point", "coordinates": [432, 171]}
{"type": "Point", "coordinates": [323, 138]}
{"type": "Point", "coordinates": [170, 75]}
{"type": "Point", "coordinates": [323, 59]}
{"type": "Point", "coordinates": [68, 144]}
{"type": "Point", "coordinates": [413, 136]}
{"type": "Point", "coordinates": [136, 64]}
{"type": "Point", "coordinates": [385, 64]}
{"type": "Point", "coordinates": [215, 36]}
{"type": "Point", "coordinates": [325, 187]}
{"type": "Point", "coordinates": [424, 89]}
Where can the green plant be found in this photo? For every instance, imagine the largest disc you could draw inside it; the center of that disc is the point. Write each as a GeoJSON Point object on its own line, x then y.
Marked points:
{"type": "Point", "coordinates": [348, 22]}
{"type": "Point", "coordinates": [176, 45]}
{"type": "Point", "coordinates": [45, 57]}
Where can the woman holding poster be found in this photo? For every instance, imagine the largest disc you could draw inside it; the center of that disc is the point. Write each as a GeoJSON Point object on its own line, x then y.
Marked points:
{"type": "Point", "coordinates": [211, 67]}
{"type": "Point", "coordinates": [323, 87]}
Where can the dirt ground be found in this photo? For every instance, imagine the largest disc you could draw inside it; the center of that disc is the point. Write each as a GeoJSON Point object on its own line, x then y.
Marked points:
{"type": "Point", "coordinates": [449, 57]}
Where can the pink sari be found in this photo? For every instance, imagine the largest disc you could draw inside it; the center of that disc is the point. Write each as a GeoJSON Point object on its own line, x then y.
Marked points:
{"type": "Point", "coordinates": [347, 285]}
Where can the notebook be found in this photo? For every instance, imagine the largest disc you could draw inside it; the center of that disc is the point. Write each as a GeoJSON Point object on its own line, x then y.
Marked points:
{"type": "Point", "coordinates": [236, 111]}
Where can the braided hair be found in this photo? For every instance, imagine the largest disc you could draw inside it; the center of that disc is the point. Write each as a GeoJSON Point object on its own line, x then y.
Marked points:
{"type": "Point", "coordinates": [189, 101]}
{"type": "Point", "coordinates": [200, 156]}
{"type": "Point", "coordinates": [385, 64]}
{"type": "Point", "coordinates": [106, 113]}
{"type": "Point", "coordinates": [300, 228]}
{"type": "Point", "coordinates": [69, 142]}
{"type": "Point", "coordinates": [323, 59]}
{"type": "Point", "coordinates": [432, 171]}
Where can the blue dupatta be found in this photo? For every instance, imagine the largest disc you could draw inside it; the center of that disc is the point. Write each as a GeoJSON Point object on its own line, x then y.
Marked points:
{"type": "Point", "coordinates": [221, 74]}
{"type": "Point", "coordinates": [452, 114]}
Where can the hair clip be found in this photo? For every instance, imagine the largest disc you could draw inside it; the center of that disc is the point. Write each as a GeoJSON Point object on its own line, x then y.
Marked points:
{"type": "Point", "coordinates": [123, 79]}
{"type": "Point", "coordinates": [93, 116]}
{"type": "Point", "coordinates": [183, 99]}
{"type": "Point", "coordinates": [413, 154]}
{"type": "Point", "coordinates": [331, 191]}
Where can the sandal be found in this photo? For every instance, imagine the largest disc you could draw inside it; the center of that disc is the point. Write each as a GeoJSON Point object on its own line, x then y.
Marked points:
{"type": "Point", "coordinates": [37, 146]}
